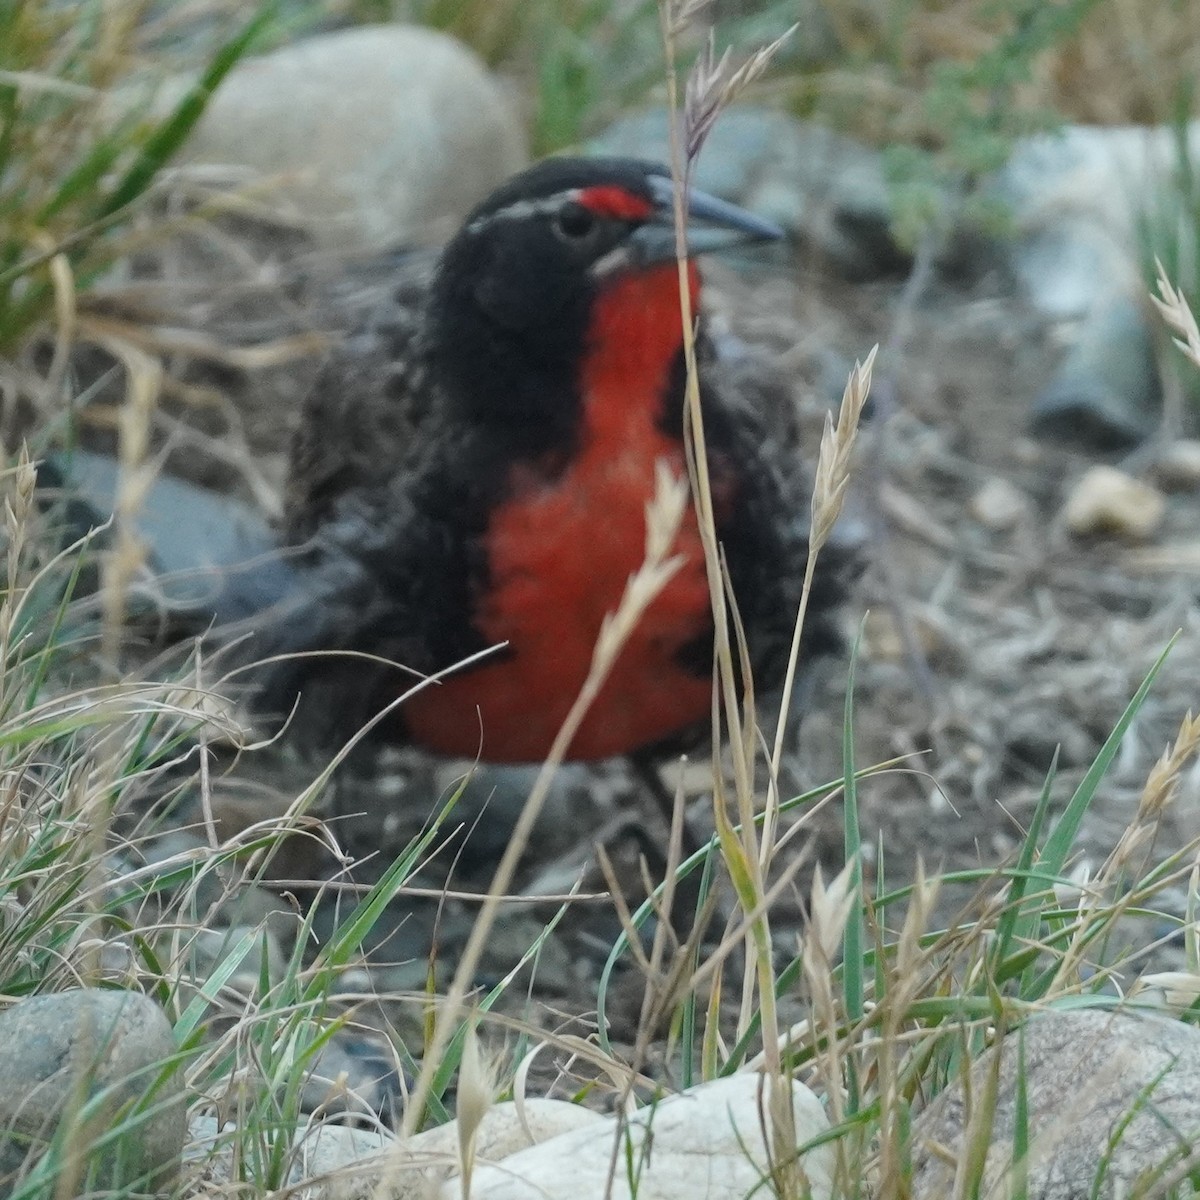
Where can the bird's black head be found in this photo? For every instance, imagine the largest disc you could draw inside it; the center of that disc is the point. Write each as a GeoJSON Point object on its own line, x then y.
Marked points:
{"type": "Point", "coordinates": [515, 287]}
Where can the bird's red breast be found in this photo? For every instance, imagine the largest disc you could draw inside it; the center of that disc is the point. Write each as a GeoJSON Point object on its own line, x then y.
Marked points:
{"type": "Point", "coordinates": [560, 549]}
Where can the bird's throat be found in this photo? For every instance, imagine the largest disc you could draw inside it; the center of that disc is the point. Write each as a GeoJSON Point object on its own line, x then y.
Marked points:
{"type": "Point", "coordinates": [634, 342]}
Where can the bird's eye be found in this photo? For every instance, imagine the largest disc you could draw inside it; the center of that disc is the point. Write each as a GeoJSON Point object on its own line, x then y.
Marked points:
{"type": "Point", "coordinates": [574, 223]}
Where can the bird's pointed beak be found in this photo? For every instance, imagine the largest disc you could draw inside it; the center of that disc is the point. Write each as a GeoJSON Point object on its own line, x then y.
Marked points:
{"type": "Point", "coordinates": [713, 224]}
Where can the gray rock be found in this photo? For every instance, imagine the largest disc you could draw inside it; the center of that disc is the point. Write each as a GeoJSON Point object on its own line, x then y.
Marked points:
{"type": "Point", "coordinates": [228, 558]}
{"type": "Point", "coordinates": [1077, 197]}
{"type": "Point", "coordinates": [326, 1150]}
{"type": "Point", "coordinates": [377, 135]}
{"type": "Point", "coordinates": [828, 192]}
{"type": "Point", "coordinates": [1106, 395]}
{"type": "Point", "coordinates": [1177, 465]}
{"type": "Point", "coordinates": [1085, 203]}
{"type": "Point", "coordinates": [104, 1048]}
{"type": "Point", "coordinates": [1114, 1104]}
{"type": "Point", "coordinates": [212, 561]}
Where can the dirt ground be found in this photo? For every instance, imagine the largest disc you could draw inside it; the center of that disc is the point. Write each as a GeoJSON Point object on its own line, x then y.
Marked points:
{"type": "Point", "coordinates": [994, 635]}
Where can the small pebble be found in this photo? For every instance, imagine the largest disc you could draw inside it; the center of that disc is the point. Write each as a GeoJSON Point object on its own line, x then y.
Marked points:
{"type": "Point", "coordinates": [999, 505]}
{"type": "Point", "coordinates": [1107, 501]}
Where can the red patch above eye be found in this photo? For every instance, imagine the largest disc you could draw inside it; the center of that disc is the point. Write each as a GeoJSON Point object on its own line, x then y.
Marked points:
{"type": "Point", "coordinates": [615, 202]}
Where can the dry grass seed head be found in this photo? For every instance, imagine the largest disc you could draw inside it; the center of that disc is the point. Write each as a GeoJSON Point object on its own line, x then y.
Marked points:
{"type": "Point", "coordinates": [714, 84]}
{"type": "Point", "coordinates": [837, 445]}
{"type": "Point", "coordinates": [1162, 783]}
{"type": "Point", "coordinates": [477, 1085]}
{"type": "Point", "coordinates": [1178, 315]}
{"type": "Point", "coordinates": [830, 910]}
{"type": "Point", "coordinates": [909, 954]}
{"type": "Point", "coordinates": [1161, 787]}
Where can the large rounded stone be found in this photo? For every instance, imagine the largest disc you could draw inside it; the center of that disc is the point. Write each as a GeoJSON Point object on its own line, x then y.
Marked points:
{"type": "Point", "coordinates": [1078, 196]}
{"type": "Point", "coordinates": [378, 135]}
{"type": "Point", "coordinates": [91, 1057]}
{"type": "Point", "coordinates": [1113, 1104]}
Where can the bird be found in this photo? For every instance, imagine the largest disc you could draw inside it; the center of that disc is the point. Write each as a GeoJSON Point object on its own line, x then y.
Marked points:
{"type": "Point", "coordinates": [471, 470]}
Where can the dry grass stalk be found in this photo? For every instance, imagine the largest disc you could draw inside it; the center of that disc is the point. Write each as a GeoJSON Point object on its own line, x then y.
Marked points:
{"type": "Point", "coordinates": [907, 978]}
{"type": "Point", "coordinates": [18, 506]}
{"type": "Point", "coordinates": [741, 859]}
{"type": "Point", "coordinates": [144, 381]}
{"type": "Point", "coordinates": [62, 280]}
{"type": "Point", "coordinates": [829, 494]}
{"type": "Point", "coordinates": [711, 86]}
{"type": "Point", "coordinates": [161, 341]}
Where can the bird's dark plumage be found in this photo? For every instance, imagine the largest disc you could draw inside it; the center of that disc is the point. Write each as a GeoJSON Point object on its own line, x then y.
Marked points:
{"type": "Point", "coordinates": [483, 446]}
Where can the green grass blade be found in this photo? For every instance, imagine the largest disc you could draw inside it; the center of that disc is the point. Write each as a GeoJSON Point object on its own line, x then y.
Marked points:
{"type": "Point", "coordinates": [1061, 841]}
{"type": "Point", "coordinates": [208, 990]}
{"type": "Point", "coordinates": [170, 136]}
{"type": "Point", "coordinates": [854, 938]}
{"type": "Point", "coordinates": [1018, 924]}
{"type": "Point", "coordinates": [1020, 1138]}
{"type": "Point", "coordinates": [452, 1055]}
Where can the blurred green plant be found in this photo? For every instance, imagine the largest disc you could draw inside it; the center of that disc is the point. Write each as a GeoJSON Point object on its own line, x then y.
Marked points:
{"type": "Point", "coordinates": [975, 108]}
{"type": "Point", "coordinates": [71, 167]}
{"type": "Point", "coordinates": [581, 63]}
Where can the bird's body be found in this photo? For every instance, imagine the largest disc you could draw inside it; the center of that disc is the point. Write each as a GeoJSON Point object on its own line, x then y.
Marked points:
{"type": "Point", "coordinates": [473, 468]}
{"type": "Point", "coordinates": [559, 550]}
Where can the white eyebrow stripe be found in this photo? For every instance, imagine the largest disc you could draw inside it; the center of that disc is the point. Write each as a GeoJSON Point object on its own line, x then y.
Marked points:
{"type": "Point", "coordinates": [519, 209]}
{"type": "Point", "coordinates": [615, 261]}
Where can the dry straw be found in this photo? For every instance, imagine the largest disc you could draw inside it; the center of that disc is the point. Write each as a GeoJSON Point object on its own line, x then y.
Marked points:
{"type": "Point", "coordinates": [747, 853]}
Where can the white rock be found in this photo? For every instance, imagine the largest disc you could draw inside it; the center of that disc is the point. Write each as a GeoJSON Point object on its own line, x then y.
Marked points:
{"type": "Point", "coordinates": [1107, 501]}
{"type": "Point", "coordinates": [704, 1144]}
{"type": "Point", "coordinates": [324, 1149]}
{"type": "Point", "coordinates": [379, 135]}
{"type": "Point", "coordinates": [999, 505]}
{"type": "Point", "coordinates": [338, 1162]}
{"type": "Point", "coordinates": [505, 1130]}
